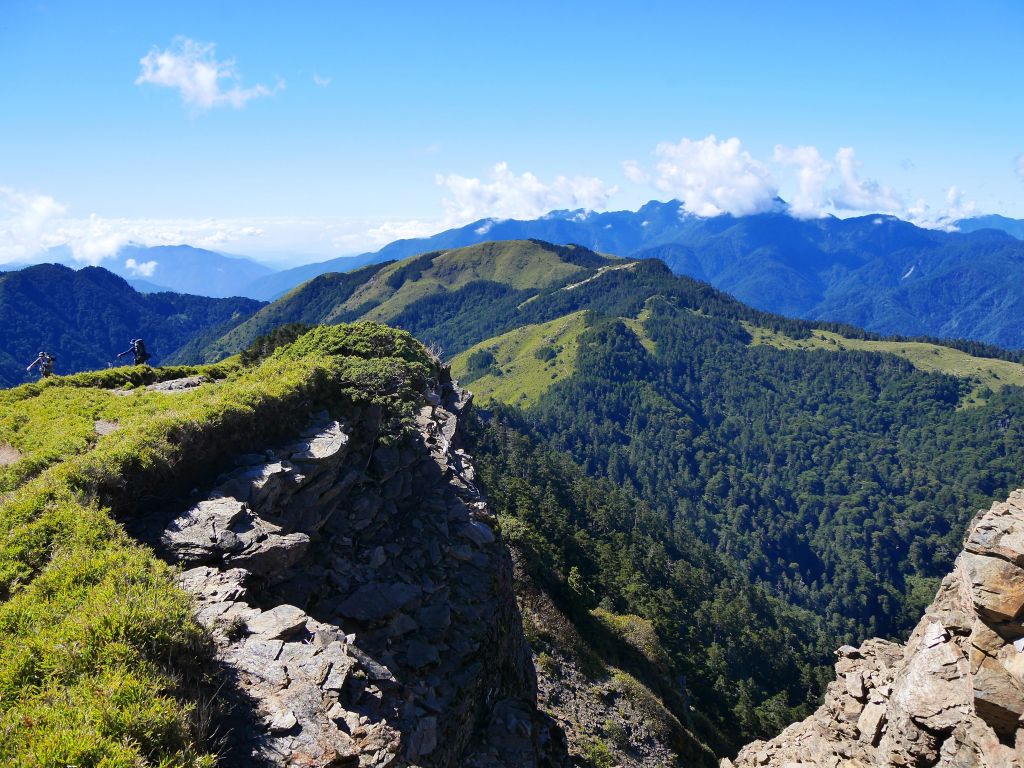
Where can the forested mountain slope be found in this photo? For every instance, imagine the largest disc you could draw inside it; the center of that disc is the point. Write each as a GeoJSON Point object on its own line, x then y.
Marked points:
{"type": "Point", "coordinates": [837, 476]}
{"type": "Point", "coordinates": [876, 272]}
{"type": "Point", "coordinates": [86, 317]}
{"type": "Point", "coordinates": [838, 479]}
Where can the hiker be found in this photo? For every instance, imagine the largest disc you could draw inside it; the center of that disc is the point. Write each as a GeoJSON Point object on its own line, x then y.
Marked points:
{"type": "Point", "coordinates": [45, 363]}
{"type": "Point", "coordinates": [138, 350]}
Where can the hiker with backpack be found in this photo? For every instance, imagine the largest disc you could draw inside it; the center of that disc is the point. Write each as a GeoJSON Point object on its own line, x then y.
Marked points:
{"type": "Point", "coordinates": [45, 362]}
{"type": "Point", "coordinates": [138, 350]}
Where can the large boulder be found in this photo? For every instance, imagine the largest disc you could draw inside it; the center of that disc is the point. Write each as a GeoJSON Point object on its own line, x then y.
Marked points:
{"type": "Point", "coordinates": [953, 697]}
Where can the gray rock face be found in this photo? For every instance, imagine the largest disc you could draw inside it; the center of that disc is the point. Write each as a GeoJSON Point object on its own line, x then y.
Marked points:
{"type": "Point", "coordinates": [363, 599]}
{"type": "Point", "coordinates": [953, 697]}
{"type": "Point", "coordinates": [375, 601]}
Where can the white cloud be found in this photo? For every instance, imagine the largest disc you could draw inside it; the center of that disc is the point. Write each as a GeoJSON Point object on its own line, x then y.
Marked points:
{"type": "Point", "coordinates": [191, 68]}
{"type": "Point", "coordinates": [143, 269]}
{"type": "Point", "coordinates": [358, 235]}
{"type": "Point", "coordinates": [93, 240]}
{"type": "Point", "coordinates": [1018, 166]}
{"type": "Point", "coordinates": [848, 194]}
{"type": "Point", "coordinates": [633, 172]}
{"type": "Point", "coordinates": [813, 171]}
{"type": "Point", "coordinates": [323, 82]}
{"type": "Point", "coordinates": [855, 194]}
{"type": "Point", "coordinates": [24, 222]}
{"type": "Point", "coordinates": [958, 207]}
{"type": "Point", "coordinates": [923, 215]}
{"type": "Point", "coordinates": [712, 177]}
{"type": "Point", "coordinates": [508, 196]}
{"type": "Point", "coordinates": [30, 224]}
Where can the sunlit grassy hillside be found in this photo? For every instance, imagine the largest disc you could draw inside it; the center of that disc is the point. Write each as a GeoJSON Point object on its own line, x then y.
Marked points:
{"type": "Point", "coordinates": [486, 282]}
{"type": "Point", "coordinates": [519, 366]}
{"type": "Point", "coordinates": [987, 375]}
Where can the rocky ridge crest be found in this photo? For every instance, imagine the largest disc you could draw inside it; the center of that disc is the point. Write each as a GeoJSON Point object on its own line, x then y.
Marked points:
{"type": "Point", "coordinates": [360, 599]}
{"type": "Point", "coordinates": [952, 697]}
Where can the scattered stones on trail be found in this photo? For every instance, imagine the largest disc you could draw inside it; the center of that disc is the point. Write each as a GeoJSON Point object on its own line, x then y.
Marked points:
{"type": "Point", "coordinates": [103, 427]}
{"type": "Point", "coordinates": [361, 598]}
{"type": "Point", "coordinates": [172, 386]}
{"type": "Point", "coordinates": [8, 455]}
{"type": "Point", "coordinates": [952, 697]}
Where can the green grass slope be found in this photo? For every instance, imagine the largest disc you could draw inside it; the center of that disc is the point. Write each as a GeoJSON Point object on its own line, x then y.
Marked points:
{"type": "Point", "coordinates": [985, 374]}
{"type": "Point", "coordinates": [309, 304]}
{"type": "Point", "coordinates": [100, 658]}
{"type": "Point", "coordinates": [431, 295]}
{"type": "Point", "coordinates": [519, 366]}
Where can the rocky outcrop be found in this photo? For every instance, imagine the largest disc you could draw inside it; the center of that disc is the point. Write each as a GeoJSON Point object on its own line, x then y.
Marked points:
{"type": "Point", "coordinates": [360, 599]}
{"type": "Point", "coordinates": [953, 697]}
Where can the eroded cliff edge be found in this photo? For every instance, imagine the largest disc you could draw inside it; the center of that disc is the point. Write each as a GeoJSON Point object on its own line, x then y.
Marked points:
{"type": "Point", "coordinates": [953, 696]}
{"type": "Point", "coordinates": [360, 599]}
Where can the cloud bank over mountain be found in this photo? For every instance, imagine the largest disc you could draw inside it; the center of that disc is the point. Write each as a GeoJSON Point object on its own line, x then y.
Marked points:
{"type": "Point", "coordinates": [506, 195]}
{"type": "Point", "coordinates": [711, 176]}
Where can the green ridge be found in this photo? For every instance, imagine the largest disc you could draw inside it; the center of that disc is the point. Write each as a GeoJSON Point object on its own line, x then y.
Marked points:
{"type": "Point", "coordinates": [987, 375]}
{"type": "Point", "coordinates": [407, 292]}
{"type": "Point", "coordinates": [637, 326]}
{"type": "Point", "coordinates": [527, 361]}
{"type": "Point", "coordinates": [520, 264]}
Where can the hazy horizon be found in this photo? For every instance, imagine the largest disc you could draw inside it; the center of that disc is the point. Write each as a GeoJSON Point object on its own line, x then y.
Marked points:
{"type": "Point", "coordinates": [300, 135]}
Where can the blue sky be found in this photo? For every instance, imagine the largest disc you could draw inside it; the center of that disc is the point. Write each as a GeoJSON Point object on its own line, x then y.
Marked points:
{"type": "Point", "coordinates": [335, 127]}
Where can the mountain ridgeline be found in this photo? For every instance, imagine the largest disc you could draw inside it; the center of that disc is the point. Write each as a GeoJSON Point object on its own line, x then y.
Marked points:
{"type": "Point", "coordinates": [876, 272]}
{"type": "Point", "coordinates": [353, 605]}
{"type": "Point", "coordinates": [176, 269]}
{"type": "Point", "coordinates": [454, 297]}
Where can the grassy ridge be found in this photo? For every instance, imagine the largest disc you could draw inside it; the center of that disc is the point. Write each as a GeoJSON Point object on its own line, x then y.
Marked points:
{"type": "Point", "coordinates": [99, 654]}
{"type": "Point", "coordinates": [532, 358]}
{"type": "Point", "coordinates": [527, 361]}
{"type": "Point", "coordinates": [436, 295]}
{"type": "Point", "coordinates": [520, 264]}
{"type": "Point", "coordinates": [987, 375]}
{"type": "Point", "coordinates": [55, 418]}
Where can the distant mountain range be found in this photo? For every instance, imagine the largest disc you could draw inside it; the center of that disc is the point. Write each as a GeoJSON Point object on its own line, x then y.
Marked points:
{"type": "Point", "coordinates": [177, 268]}
{"type": "Point", "coordinates": [1013, 227]}
{"type": "Point", "coordinates": [878, 272]}
{"type": "Point", "coordinates": [622, 233]}
{"type": "Point", "coordinates": [86, 317]}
